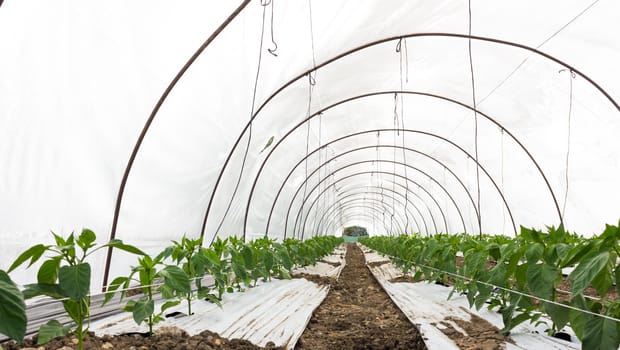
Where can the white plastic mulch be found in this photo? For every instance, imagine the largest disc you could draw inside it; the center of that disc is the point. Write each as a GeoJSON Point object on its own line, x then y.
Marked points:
{"type": "Point", "coordinates": [276, 311]}
{"type": "Point", "coordinates": [426, 305]}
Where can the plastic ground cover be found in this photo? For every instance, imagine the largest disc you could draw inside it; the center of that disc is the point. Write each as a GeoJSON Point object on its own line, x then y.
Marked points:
{"type": "Point", "coordinates": [426, 305]}
{"type": "Point", "coordinates": [276, 311]}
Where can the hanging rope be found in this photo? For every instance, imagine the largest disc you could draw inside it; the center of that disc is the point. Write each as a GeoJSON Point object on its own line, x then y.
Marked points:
{"type": "Point", "coordinates": [571, 77]}
{"type": "Point", "coordinates": [473, 93]}
{"type": "Point", "coordinates": [247, 147]}
{"type": "Point", "coordinates": [273, 40]}
{"type": "Point", "coordinates": [502, 179]}
{"type": "Point", "coordinates": [403, 55]}
{"type": "Point", "coordinates": [311, 83]}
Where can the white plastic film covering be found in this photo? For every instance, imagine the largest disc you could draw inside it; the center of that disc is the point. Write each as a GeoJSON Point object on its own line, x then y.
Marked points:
{"type": "Point", "coordinates": [78, 82]}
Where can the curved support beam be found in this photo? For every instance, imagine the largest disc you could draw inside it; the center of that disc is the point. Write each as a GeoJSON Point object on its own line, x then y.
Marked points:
{"type": "Point", "coordinates": [372, 172]}
{"type": "Point", "coordinates": [318, 225]}
{"type": "Point", "coordinates": [380, 211]}
{"type": "Point", "coordinates": [381, 41]}
{"type": "Point", "coordinates": [398, 218]}
{"type": "Point", "coordinates": [381, 161]}
{"type": "Point", "coordinates": [147, 125]}
{"type": "Point", "coordinates": [377, 161]}
{"type": "Point", "coordinates": [497, 188]}
{"type": "Point", "coordinates": [381, 193]}
{"type": "Point", "coordinates": [372, 215]}
{"type": "Point", "coordinates": [404, 92]}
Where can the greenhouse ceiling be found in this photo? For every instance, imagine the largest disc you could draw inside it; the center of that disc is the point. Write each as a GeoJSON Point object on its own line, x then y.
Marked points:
{"type": "Point", "coordinates": [144, 121]}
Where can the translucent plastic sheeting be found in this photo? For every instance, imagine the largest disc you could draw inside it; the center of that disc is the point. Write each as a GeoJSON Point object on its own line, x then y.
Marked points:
{"type": "Point", "coordinates": [79, 81]}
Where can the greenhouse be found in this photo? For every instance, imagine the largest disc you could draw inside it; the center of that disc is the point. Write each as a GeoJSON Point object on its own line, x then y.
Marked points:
{"type": "Point", "coordinates": [311, 174]}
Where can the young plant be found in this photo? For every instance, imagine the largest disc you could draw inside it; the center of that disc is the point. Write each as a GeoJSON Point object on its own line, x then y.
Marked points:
{"type": "Point", "coordinates": [219, 267]}
{"type": "Point", "coordinates": [12, 309]}
{"type": "Point", "coordinates": [65, 275]}
{"type": "Point", "coordinates": [149, 272]}
{"type": "Point", "coordinates": [187, 254]}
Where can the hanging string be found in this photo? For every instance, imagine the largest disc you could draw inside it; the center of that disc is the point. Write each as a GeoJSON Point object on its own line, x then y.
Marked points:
{"type": "Point", "coordinates": [273, 40]}
{"type": "Point", "coordinates": [473, 92]}
{"type": "Point", "coordinates": [502, 180]}
{"type": "Point", "coordinates": [402, 43]}
{"type": "Point", "coordinates": [310, 88]}
{"type": "Point", "coordinates": [570, 110]}
{"type": "Point", "coordinates": [403, 54]}
{"type": "Point", "coordinates": [253, 106]}
{"type": "Point", "coordinates": [321, 204]}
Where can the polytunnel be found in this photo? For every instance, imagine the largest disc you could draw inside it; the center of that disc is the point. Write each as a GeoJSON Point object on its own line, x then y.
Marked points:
{"type": "Point", "coordinates": [146, 121]}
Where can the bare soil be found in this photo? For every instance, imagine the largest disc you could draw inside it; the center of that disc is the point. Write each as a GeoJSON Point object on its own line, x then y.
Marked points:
{"type": "Point", "coordinates": [358, 314]}
{"type": "Point", "coordinates": [166, 338]}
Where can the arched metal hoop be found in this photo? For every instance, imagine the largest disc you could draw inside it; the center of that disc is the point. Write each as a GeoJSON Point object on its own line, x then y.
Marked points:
{"type": "Point", "coordinates": [327, 187]}
{"type": "Point", "coordinates": [373, 131]}
{"type": "Point", "coordinates": [507, 207]}
{"type": "Point", "coordinates": [318, 225]}
{"type": "Point", "coordinates": [147, 125]}
{"type": "Point", "coordinates": [388, 39]}
{"type": "Point", "coordinates": [405, 92]}
{"type": "Point", "coordinates": [380, 190]}
{"type": "Point", "coordinates": [300, 212]}
{"type": "Point", "coordinates": [396, 216]}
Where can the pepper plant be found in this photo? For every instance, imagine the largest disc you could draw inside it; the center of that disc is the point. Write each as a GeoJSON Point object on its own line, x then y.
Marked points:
{"type": "Point", "coordinates": [65, 276]}
{"type": "Point", "coordinates": [149, 271]}
{"type": "Point", "coordinates": [12, 309]}
{"type": "Point", "coordinates": [188, 254]}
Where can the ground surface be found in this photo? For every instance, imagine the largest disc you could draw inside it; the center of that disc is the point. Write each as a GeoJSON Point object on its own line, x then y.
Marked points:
{"type": "Point", "coordinates": [165, 339]}
{"type": "Point", "coordinates": [358, 314]}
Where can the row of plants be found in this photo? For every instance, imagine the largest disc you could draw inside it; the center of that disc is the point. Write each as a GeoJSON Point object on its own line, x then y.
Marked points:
{"type": "Point", "coordinates": [519, 277]}
{"type": "Point", "coordinates": [176, 273]}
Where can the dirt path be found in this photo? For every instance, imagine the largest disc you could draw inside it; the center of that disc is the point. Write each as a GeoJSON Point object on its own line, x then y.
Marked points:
{"type": "Point", "coordinates": [358, 314]}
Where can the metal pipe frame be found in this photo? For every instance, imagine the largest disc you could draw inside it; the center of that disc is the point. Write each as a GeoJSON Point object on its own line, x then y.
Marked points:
{"type": "Point", "coordinates": [397, 218]}
{"type": "Point", "coordinates": [369, 215]}
{"type": "Point", "coordinates": [212, 37]}
{"type": "Point", "coordinates": [377, 172]}
{"type": "Point", "coordinates": [381, 41]}
{"type": "Point", "coordinates": [318, 225]}
{"type": "Point", "coordinates": [366, 162]}
{"type": "Point", "coordinates": [382, 189]}
{"type": "Point", "coordinates": [393, 146]}
{"type": "Point", "coordinates": [405, 92]}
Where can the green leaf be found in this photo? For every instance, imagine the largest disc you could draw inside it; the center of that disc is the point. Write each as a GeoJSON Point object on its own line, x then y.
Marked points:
{"type": "Point", "coordinates": [33, 253]}
{"type": "Point", "coordinates": [542, 279]}
{"type": "Point", "coordinates": [169, 304]}
{"type": "Point", "coordinates": [74, 280]}
{"type": "Point", "coordinates": [578, 318]}
{"type": "Point", "coordinates": [12, 309]}
{"type": "Point", "coordinates": [175, 278]}
{"type": "Point", "coordinates": [86, 239]}
{"type": "Point", "coordinates": [603, 281]}
{"type": "Point", "coordinates": [142, 309]}
{"type": "Point", "coordinates": [534, 252]}
{"type": "Point", "coordinates": [73, 309]}
{"type": "Point", "coordinates": [117, 283]}
{"type": "Point", "coordinates": [585, 272]}
{"type": "Point", "coordinates": [51, 330]}
{"type": "Point", "coordinates": [36, 289]}
{"type": "Point", "coordinates": [117, 243]}
{"type": "Point", "coordinates": [559, 315]}
{"type": "Point", "coordinates": [48, 272]}
{"type": "Point", "coordinates": [600, 333]}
